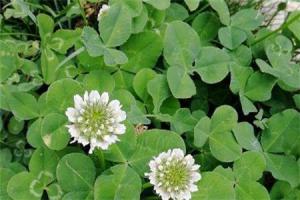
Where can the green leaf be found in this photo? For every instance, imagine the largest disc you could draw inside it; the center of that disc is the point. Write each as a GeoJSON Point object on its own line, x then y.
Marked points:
{"type": "Point", "coordinates": [134, 7]}
{"type": "Point", "coordinates": [295, 26]}
{"type": "Point", "coordinates": [151, 143]}
{"type": "Point", "coordinates": [206, 25]}
{"type": "Point", "coordinates": [242, 55]}
{"type": "Point", "coordinates": [139, 22]}
{"type": "Point", "coordinates": [113, 57]}
{"type": "Point", "coordinates": [159, 91]}
{"type": "Point", "coordinates": [99, 80]}
{"type": "Point", "coordinates": [251, 190]}
{"type": "Point", "coordinates": [247, 19]}
{"type": "Point", "coordinates": [60, 94]}
{"type": "Point", "coordinates": [76, 172]}
{"type": "Point", "coordinates": [49, 64]}
{"type": "Point", "coordinates": [92, 42]}
{"type": "Point", "coordinates": [22, 105]}
{"type": "Point", "coordinates": [123, 79]}
{"type": "Point", "coordinates": [125, 97]}
{"type": "Point", "coordinates": [282, 189]}
{"type": "Point", "coordinates": [180, 83]}
{"type": "Point", "coordinates": [231, 37]}
{"type": "Point", "coordinates": [136, 116]}
{"type": "Point", "coordinates": [181, 44]}
{"type": "Point", "coordinates": [64, 39]}
{"type": "Point", "coordinates": [212, 64]}
{"type": "Point", "coordinates": [33, 135]}
{"type": "Point", "coordinates": [54, 132]}
{"type": "Point", "coordinates": [183, 121]}
{"type": "Point", "coordinates": [221, 7]}
{"type": "Point", "coordinates": [214, 186]}
{"type": "Point", "coordinates": [176, 12]}
{"type": "Point", "coordinates": [224, 147]}
{"type": "Point", "coordinates": [25, 186]}
{"type": "Point", "coordinates": [192, 4]}
{"type": "Point", "coordinates": [118, 182]}
{"type": "Point", "coordinates": [296, 99]}
{"type": "Point", "coordinates": [250, 166]}
{"type": "Point", "coordinates": [54, 191]}
{"type": "Point", "coordinates": [115, 26]}
{"type": "Point", "coordinates": [259, 86]}
{"type": "Point", "coordinates": [239, 77]}
{"type": "Point", "coordinates": [5, 157]}
{"type": "Point", "coordinates": [46, 26]}
{"type": "Point", "coordinates": [15, 126]}
{"type": "Point", "coordinates": [244, 134]}
{"type": "Point", "coordinates": [140, 82]}
{"type": "Point", "coordinates": [158, 4]}
{"type": "Point", "coordinates": [123, 150]}
{"type": "Point", "coordinates": [283, 168]}
{"type": "Point", "coordinates": [6, 175]}
{"type": "Point", "coordinates": [282, 133]}
{"type": "Point", "coordinates": [287, 73]}
{"type": "Point", "coordinates": [79, 195]}
{"type": "Point", "coordinates": [224, 119]}
{"type": "Point", "coordinates": [43, 164]}
{"type": "Point", "coordinates": [202, 131]}
{"type": "Point", "coordinates": [8, 60]}
{"type": "Point", "coordinates": [143, 50]}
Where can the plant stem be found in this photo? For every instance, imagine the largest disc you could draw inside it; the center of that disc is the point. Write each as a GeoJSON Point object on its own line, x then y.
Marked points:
{"type": "Point", "coordinates": [100, 156]}
{"type": "Point", "coordinates": [277, 30]}
{"type": "Point", "coordinates": [82, 13]}
{"type": "Point", "coordinates": [19, 33]}
{"type": "Point", "coordinates": [192, 16]}
{"type": "Point", "coordinates": [72, 55]}
{"type": "Point", "coordinates": [152, 198]}
{"type": "Point", "coordinates": [147, 185]}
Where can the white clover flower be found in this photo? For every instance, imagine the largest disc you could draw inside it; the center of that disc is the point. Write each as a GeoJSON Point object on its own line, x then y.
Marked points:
{"type": "Point", "coordinates": [174, 175]}
{"type": "Point", "coordinates": [95, 121]}
{"type": "Point", "coordinates": [273, 18]}
{"type": "Point", "coordinates": [102, 11]}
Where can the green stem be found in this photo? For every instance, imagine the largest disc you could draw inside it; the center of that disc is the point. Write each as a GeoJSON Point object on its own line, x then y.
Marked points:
{"type": "Point", "coordinates": [100, 156]}
{"type": "Point", "coordinates": [82, 13]}
{"type": "Point", "coordinates": [152, 198]}
{"type": "Point", "coordinates": [192, 16]}
{"type": "Point", "coordinates": [147, 185]}
{"type": "Point", "coordinates": [150, 115]}
{"type": "Point", "coordinates": [19, 33]}
{"type": "Point", "coordinates": [71, 56]}
{"type": "Point", "coordinates": [277, 30]}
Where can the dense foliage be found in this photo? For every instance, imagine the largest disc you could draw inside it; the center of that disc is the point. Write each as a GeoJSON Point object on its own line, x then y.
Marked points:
{"type": "Point", "coordinates": [204, 76]}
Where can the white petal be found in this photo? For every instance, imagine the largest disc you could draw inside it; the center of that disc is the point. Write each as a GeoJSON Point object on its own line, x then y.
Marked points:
{"type": "Point", "coordinates": [74, 132]}
{"type": "Point", "coordinates": [177, 153]}
{"type": "Point", "coordinates": [94, 96]}
{"type": "Point", "coordinates": [196, 176]}
{"type": "Point", "coordinates": [72, 114]}
{"type": "Point", "coordinates": [83, 140]}
{"type": "Point", "coordinates": [193, 188]}
{"type": "Point", "coordinates": [104, 145]}
{"type": "Point", "coordinates": [121, 116]}
{"type": "Point", "coordinates": [86, 96]}
{"type": "Point", "coordinates": [195, 167]}
{"type": "Point", "coordinates": [187, 195]}
{"type": "Point", "coordinates": [104, 98]}
{"type": "Point", "coordinates": [78, 102]}
{"type": "Point", "coordinates": [114, 105]}
{"type": "Point", "coordinates": [120, 129]}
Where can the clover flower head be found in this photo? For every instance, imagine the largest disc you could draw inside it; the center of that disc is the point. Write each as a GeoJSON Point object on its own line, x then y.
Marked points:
{"type": "Point", "coordinates": [95, 121]}
{"type": "Point", "coordinates": [102, 11]}
{"type": "Point", "coordinates": [274, 18]}
{"type": "Point", "coordinates": [174, 175]}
